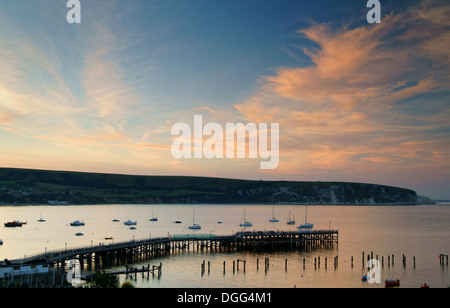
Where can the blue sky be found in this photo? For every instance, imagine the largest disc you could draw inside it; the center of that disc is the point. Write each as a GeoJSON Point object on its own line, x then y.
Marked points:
{"type": "Point", "coordinates": [355, 101]}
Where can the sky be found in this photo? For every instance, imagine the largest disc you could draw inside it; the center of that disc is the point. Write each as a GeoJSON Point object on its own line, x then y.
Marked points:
{"type": "Point", "coordinates": [355, 101]}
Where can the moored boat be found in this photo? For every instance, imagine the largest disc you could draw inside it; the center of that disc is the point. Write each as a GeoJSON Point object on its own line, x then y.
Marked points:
{"type": "Point", "coordinates": [290, 221]}
{"type": "Point", "coordinates": [306, 225]}
{"type": "Point", "coordinates": [14, 223]}
{"type": "Point", "coordinates": [273, 219]}
{"type": "Point", "coordinates": [244, 222]}
{"type": "Point", "coordinates": [77, 223]}
{"type": "Point", "coordinates": [130, 223]}
{"type": "Point", "coordinates": [154, 218]}
{"type": "Point", "coordinates": [392, 282]}
{"type": "Point", "coordinates": [194, 226]}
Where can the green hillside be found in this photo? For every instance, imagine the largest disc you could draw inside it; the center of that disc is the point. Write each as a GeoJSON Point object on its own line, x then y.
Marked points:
{"type": "Point", "coordinates": [26, 186]}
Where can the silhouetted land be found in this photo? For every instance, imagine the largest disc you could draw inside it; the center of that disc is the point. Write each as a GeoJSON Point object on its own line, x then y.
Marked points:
{"type": "Point", "coordinates": [27, 186]}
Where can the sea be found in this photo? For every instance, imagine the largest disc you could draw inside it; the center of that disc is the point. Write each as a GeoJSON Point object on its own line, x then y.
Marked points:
{"type": "Point", "coordinates": [417, 234]}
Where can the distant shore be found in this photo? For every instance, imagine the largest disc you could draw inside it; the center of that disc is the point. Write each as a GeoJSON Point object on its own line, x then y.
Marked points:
{"type": "Point", "coordinates": [44, 187]}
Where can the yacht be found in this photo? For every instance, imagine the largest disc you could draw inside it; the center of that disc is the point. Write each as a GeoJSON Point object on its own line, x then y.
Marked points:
{"type": "Point", "coordinates": [14, 223]}
{"type": "Point", "coordinates": [194, 226]}
{"type": "Point", "coordinates": [244, 222]}
{"type": "Point", "coordinates": [130, 223]}
{"type": "Point", "coordinates": [273, 219]}
{"type": "Point", "coordinates": [154, 218]}
{"type": "Point", "coordinates": [41, 219]}
{"type": "Point", "coordinates": [77, 223]}
{"type": "Point", "coordinates": [289, 221]}
{"type": "Point", "coordinates": [306, 225]}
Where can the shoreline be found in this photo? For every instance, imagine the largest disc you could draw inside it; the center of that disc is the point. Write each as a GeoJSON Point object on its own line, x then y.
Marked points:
{"type": "Point", "coordinates": [219, 204]}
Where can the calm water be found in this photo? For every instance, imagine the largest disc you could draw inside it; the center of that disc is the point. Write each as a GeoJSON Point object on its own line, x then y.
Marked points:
{"type": "Point", "coordinates": [420, 231]}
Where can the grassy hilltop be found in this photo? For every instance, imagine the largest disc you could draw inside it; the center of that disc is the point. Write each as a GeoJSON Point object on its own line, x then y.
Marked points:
{"type": "Point", "coordinates": [27, 186]}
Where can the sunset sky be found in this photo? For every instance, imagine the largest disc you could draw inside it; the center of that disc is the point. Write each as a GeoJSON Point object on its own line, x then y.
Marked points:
{"type": "Point", "coordinates": [355, 101]}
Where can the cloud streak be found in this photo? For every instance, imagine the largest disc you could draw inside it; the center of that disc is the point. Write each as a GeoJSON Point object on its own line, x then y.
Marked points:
{"type": "Point", "coordinates": [362, 109]}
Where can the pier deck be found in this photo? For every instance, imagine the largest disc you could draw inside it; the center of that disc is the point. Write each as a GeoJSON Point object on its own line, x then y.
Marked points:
{"type": "Point", "coordinates": [130, 252]}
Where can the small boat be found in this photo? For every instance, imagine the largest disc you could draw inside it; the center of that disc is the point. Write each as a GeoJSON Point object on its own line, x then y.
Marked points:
{"type": "Point", "coordinates": [219, 222]}
{"type": "Point", "coordinates": [1, 242]}
{"type": "Point", "coordinates": [132, 228]}
{"type": "Point", "coordinates": [77, 223]}
{"type": "Point", "coordinates": [153, 218]}
{"type": "Point", "coordinates": [244, 222]}
{"type": "Point", "coordinates": [194, 226]}
{"type": "Point", "coordinates": [273, 219]}
{"type": "Point", "coordinates": [115, 220]}
{"type": "Point", "coordinates": [364, 278]}
{"type": "Point", "coordinates": [289, 221]}
{"type": "Point", "coordinates": [108, 238]}
{"type": "Point", "coordinates": [177, 222]}
{"type": "Point", "coordinates": [41, 219]}
{"type": "Point", "coordinates": [130, 223]}
{"type": "Point", "coordinates": [14, 223]}
{"type": "Point", "coordinates": [392, 282]}
{"type": "Point", "coordinates": [79, 234]}
{"type": "Point", "coordinates": [306, 225]}
{"type": "Point", "coordinates": [424, 286]}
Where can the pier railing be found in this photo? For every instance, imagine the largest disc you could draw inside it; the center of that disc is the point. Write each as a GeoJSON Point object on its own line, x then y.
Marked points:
{"type": "Point", "coordinates": [245, 237]}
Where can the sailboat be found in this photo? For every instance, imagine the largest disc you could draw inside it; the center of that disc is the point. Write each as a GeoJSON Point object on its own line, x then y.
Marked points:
{"type": "Point", "coordinates": [194, 226]}
{"type": "Point", "coordinates": [153, 218]}
{"type": "Point", "coordinates": [130, 223]}
{"type": "Point", "coordinates": [41, 219]}
{"type": "Point", "coordinates": [77, 223]}
{"type": "Point", "coordinates": [290, 222]}
{"type": "Point", "coordinates": [244, 222]}
{"type": "Point", "coordinates": [273, 219]}
{"type": "Point", "coordinates": [306, 225]}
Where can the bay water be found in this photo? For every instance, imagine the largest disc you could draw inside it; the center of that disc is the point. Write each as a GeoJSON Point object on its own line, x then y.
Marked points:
{"type": "Point", "coordinates": [420, 233]}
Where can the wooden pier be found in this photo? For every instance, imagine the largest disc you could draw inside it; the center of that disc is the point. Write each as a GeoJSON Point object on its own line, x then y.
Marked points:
{"type": "Point", "coordinates": [125, 253]}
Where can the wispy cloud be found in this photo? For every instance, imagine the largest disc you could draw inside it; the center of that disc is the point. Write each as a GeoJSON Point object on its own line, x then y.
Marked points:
{"type": "Point", "coordinates": [364, 104]}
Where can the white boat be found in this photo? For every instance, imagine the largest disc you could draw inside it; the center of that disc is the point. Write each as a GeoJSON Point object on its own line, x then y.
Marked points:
{"type": "Point", "coordinates": [154, 218]}
{"type": "Point", "coordinates": [306, 225]}
{"type": "Point", "coordinates": [77, 223]}
{"type": "Point", "coordinates": [244, 222]}
{"type": "Point", "coordinates": [194, 226]}
{"type": "Point", "coordinates": [130, 223]}
{"type": "Point", "coordinates": [41, 219]}
{"type": "Point", "coordinates": [289, 221]}
{"type": "Point", "coordinates": [273, 219]}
